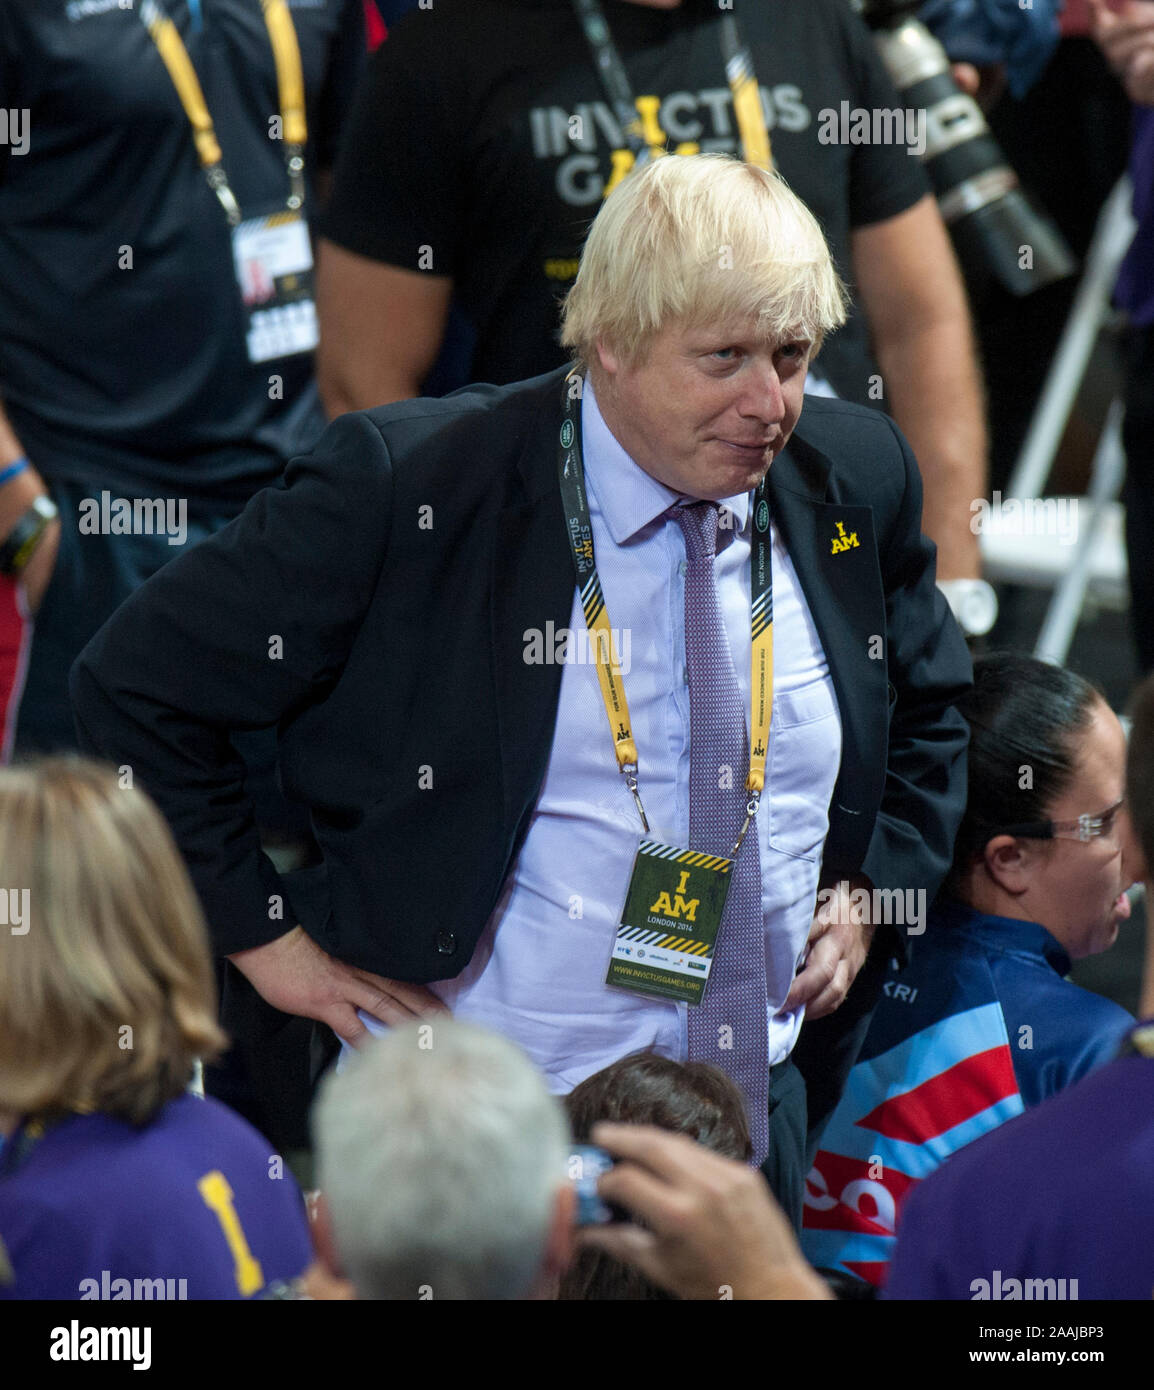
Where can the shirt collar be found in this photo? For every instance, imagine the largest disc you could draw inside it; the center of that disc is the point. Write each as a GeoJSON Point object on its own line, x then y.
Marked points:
{"type": "Point", "coordinates": [628, 497]}
{"type": "Point", "coordinates": [1005, 934]}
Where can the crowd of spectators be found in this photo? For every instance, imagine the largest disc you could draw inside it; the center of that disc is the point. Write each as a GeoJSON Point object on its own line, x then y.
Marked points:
{"type": "Point", "coordinates": [446, 1168]}
{"type": "Point", "coordinates": [166, 349]}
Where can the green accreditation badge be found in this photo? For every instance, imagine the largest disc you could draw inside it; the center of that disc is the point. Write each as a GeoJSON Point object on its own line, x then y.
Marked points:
{"type": "Point", "coordinates": [665, 939]}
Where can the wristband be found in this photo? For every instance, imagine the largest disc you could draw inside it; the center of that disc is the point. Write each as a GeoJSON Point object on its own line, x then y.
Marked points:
{"type": "Point", "coordinates": [25, 535]}
{"type": "Point", "coordinates": [12, 470]}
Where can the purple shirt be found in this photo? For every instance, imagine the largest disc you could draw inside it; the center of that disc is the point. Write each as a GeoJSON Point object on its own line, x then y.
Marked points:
{"type": "Point", "coordinates": [1064, 1192]}
{"type": "Point", "coordinates": [192, 1205]}
{"type": "Point", "coordinates": [1135, 291]}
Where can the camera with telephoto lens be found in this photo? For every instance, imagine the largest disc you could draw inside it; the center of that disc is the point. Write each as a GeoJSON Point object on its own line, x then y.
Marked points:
{"type": "Point", "coordinates": [991, 218]}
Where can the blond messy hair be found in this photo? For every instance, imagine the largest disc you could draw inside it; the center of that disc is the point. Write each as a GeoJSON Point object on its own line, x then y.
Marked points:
{"type": "Point", "coordinates": [114, 937]}
{"type": "Point", "coordinates": [699, 239]}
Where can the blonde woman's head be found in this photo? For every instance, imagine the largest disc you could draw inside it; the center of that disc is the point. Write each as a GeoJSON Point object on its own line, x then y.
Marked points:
{"type": "Point", "coordinates": [106, 987]}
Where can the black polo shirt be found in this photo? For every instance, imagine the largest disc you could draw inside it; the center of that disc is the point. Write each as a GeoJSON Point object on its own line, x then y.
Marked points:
{"type": "Point", "coordinates": [139, 371]}
{"type": "Point", "coordinates": [481, 143]}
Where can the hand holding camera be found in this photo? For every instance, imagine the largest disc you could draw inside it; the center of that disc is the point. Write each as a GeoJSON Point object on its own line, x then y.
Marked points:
{"type": "Point", "coordinates": [712, 1229]}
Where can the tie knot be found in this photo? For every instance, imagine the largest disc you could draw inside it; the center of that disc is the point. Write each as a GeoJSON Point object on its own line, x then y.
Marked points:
{"type": "Point", "coordinates": [698, 522]}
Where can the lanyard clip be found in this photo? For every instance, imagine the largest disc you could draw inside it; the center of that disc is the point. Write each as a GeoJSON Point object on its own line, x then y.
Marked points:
{"type": "Point", "coordinates": [750, 811]}
{"type": "Point", "coordinates": [630, 774]}
{"type": "Point", "coordinates": [296, 173]}
{"type": "Point", "coordinates": [218, 182]}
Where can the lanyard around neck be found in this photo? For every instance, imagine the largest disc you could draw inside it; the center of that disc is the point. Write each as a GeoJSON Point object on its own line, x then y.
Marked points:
{"type": "Point", "coordinates": [578, 524]}
{"type": "Point", "coordinates": [290, 91]}
{"type": "Point", "coordinates": [755, 146]}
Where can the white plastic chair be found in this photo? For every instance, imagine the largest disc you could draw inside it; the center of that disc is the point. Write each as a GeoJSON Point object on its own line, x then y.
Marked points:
{"type": "Point", "coordinates": [1095, 563]}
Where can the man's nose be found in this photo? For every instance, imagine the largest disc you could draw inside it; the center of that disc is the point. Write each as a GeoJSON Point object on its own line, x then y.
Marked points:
{"type": "Point", "coordinates": [762, 397]}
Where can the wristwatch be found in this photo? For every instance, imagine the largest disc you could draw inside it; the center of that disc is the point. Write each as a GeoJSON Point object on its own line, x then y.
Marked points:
{"type": "Point", "coordinates": [24, 537]}
{"type": "Point", "coordinates": [973, 603]}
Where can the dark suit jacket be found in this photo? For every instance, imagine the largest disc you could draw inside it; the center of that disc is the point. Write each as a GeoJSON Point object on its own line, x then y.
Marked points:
{"type": "Point", "coordinates": [374, 606]}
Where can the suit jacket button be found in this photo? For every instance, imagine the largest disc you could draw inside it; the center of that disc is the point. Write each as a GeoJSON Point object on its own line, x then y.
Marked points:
{"type": "Point", "coordinates": [446, 943]}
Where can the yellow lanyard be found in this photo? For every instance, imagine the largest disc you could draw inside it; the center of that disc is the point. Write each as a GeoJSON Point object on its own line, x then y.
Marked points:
{"type": "Point", "coordinates": [571, 472]}
{"type": "Point", "coordinates": [290, 89]}
{"type": "Point", "coordinates": [755, 146]}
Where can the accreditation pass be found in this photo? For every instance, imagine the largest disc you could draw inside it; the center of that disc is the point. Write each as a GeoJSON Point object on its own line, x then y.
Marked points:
{"type": "Point", "coordinates": [274, 269]}
{"type": "Point", "coordinates": [668, 930]}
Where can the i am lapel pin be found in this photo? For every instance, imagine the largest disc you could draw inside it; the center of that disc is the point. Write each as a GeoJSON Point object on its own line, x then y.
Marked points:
{"type": "Point", "coordinates": [841, 541]}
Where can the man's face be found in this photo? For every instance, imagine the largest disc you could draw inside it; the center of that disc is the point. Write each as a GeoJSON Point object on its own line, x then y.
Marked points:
{"type": "Point", "coordinates": [709, 409]}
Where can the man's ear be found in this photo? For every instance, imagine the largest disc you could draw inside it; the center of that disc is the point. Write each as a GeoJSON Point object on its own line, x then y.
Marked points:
{"type": "Point", "coordinates": [559, 1248]}
{"type": "Point", "coordinates": [323, 1241]}
{"type": "Point", "coordinates": [609, 360]}
{"type": "Point", "coordinates": [558, 1244]}
{"type": "Point", "coordinates": [1010, 862]}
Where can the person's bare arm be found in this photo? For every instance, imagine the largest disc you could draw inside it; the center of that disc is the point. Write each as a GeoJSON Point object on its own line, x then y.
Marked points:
{"type": "Point", "coordinates": [1126, 37]}
{"type": "Point", "coordinates": [16, 496]}
{"type": "Point", "coordinates": [380, 329]}
{"type": "Point", "coordinates": [911, 290]}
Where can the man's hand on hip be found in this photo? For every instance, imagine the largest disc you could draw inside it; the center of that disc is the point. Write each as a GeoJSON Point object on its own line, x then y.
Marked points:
{"type": "Point", "coordinates": [839, 941]}
{"type": "Point", "coordinates": [293, 974]}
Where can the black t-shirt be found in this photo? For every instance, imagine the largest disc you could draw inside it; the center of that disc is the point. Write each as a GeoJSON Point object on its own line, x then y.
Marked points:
{"type": "Point", "coordinates": [462, 156]}
{"type": "Point", "coordinates": [141, 373]}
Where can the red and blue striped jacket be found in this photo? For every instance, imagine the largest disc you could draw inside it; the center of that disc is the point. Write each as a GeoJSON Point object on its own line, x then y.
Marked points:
{"type": "Point", "coordinates": [980, 1026]}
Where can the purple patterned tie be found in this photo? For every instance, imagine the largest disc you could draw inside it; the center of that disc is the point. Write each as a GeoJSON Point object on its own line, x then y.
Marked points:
{"type": "Point", "coordinates": [730, 1029]}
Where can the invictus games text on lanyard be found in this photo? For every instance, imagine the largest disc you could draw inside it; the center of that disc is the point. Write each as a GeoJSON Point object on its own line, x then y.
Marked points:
{"type": "Point", "coordinates": [272, 255]}
{"type": "Point", "coordinates": [677, 960]}
{"type": "Point", "coordinates": [735, 52]}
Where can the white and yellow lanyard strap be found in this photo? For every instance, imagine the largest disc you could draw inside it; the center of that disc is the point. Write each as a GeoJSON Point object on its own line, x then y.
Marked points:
{"type": "Point", "coordinates": [579, 526]}
{"type": "Point", "coordinates": [290, 89]}
{"type": "Point", "coordinates": [755, 147]}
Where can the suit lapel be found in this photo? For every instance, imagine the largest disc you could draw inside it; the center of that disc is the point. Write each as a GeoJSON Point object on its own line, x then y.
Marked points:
{"type": "Point", "coordinates": [834, 552]}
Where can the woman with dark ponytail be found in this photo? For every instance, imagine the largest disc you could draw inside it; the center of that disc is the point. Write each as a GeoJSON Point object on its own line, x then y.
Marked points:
{"type": "Point", "coordinates": [982, 1022]}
